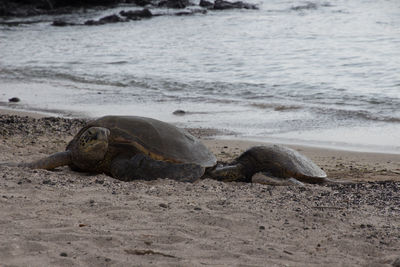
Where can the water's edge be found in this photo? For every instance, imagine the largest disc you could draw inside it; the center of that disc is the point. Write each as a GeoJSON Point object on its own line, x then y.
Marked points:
{"type": "Point", "coordinates": [220, 134]}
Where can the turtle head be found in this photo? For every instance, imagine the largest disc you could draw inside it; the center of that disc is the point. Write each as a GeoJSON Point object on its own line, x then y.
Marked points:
{"type": "Point", "coordinates": [93, 144]}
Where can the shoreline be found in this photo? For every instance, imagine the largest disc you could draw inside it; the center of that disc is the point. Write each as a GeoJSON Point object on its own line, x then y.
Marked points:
{"type": "Point", "coordinates": [21, 113]}
{"type": "Point", "coordinates": [213, 133]}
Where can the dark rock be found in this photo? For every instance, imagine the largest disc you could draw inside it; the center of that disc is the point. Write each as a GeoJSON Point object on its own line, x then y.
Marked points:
{"type": "Point", "coordinates": [14, 99]}
{"type": "Point", "coordinates": [305, 7]}
{"type": "Point", "coordinates": [63, 254]}
{"type": "Point", "coordinates": [61, 23]}
{"type": "Point", "coordinates": [221, 5]}
{"type": "Point", "coordinates": [141, 2]}
{"type": "Point", "coordinates": [136, 14]}
{"type": "Point", "coordinates": [92, 22]}
{"type": "Point", "coordinates": [188, 13]}
{"type": "Point", "coordinates": [111, 19]}
{"type": "Point", "coordinates": [179, 112]}
{"type": "Point", "coordinates": [108, 19]}
{"type": "Point", "coordinates": [49, 182]}
{"type": "Point", "coordinates": [99, 181]}
{"type": "Point", "coordinates": [24, 180]}
{"type": "Point", "coordinates": [83, 3]}
{"type": "Point", "coordinates": [25, 8]}
{"type": "Point", "coordinates": [174, 3]}
{"type": "Point", "coordinates": [206, 4]}
{"type": "Point", "coordinates": [163, 205]}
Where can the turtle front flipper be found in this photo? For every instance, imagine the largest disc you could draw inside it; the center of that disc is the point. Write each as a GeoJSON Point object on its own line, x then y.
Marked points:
{"type": "Point", "coordinates": [142, 167]}
{"type": "Point", "coordinates": [51, 162]}
{"type": "Point", "coordinates": [254, 160]}
{"type": "Point", "coordinates": [229, 173]}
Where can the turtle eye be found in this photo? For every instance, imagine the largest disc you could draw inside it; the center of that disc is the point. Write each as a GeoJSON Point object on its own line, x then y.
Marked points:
{"type": "Point", "coordinates": [91, 132]}
{"type": "Point", "coordinates": [95, 136]}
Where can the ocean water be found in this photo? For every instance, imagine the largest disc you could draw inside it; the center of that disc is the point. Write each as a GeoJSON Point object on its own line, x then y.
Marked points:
{"type": "Point", "coordinates": [323, 73]}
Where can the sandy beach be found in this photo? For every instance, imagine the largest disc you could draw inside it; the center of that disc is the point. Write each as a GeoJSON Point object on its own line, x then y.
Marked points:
{"type": "Point", "coordinates": [65, 218]}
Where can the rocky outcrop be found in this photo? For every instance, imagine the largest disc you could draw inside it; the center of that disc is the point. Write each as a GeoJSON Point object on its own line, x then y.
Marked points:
{"type": "Point", "coordinates": [36, 7]}
{"type": "Point", "coordinates": [124, 17]}
{"type": "Point", "coordinates": [25, 8]}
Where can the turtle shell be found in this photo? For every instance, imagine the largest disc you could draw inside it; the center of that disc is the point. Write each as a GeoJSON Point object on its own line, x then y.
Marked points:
{"type": "Point", "coordinates": [130, 135]}
{"type": "Point", "coordinates": [294, 164]}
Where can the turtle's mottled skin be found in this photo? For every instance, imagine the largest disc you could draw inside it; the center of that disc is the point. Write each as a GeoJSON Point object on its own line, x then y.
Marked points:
{"type": "Point", "coordinates": [129, 148]}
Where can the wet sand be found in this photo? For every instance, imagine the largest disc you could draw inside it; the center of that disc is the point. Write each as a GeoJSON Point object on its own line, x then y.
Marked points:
{"type": "Point", "coordinates": [65, 218]}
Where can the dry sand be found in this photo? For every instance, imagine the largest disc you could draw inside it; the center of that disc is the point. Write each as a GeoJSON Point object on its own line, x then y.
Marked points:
{"type": "Point", "coordinates": [64, 218]}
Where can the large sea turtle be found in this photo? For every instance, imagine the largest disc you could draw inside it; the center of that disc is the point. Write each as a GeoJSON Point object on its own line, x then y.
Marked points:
{"type": "Point", "coordinates": [129, 148]}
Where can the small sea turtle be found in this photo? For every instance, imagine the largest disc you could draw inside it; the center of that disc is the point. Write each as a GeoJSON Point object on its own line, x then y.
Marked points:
{"type": "Point", "coordinates": [271, 164]}
{"type": "Point", "coordinates": [129, 148]}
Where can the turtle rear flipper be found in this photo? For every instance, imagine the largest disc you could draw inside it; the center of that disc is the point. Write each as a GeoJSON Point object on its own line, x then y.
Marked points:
{"type": "Point", "coordinates": [264, 178]}
{"type": "Point", "coordinates": [51, 162]}
{"type": "Point", "coordinates": [9, 164]}
{"type": "Point", "coordinates": [142, 167]}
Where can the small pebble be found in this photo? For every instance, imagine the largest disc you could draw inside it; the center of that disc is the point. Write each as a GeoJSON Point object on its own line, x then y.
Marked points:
{"type": "Point", "coordinates": [163, 205]}
{"type": "Point", "coordinates": [14, 99]}
{"type": "Point", "coordinates": [179, 112]}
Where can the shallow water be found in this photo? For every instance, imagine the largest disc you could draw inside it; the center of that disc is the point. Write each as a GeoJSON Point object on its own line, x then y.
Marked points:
{"type": "Point", "coordinates": [324, 74]}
